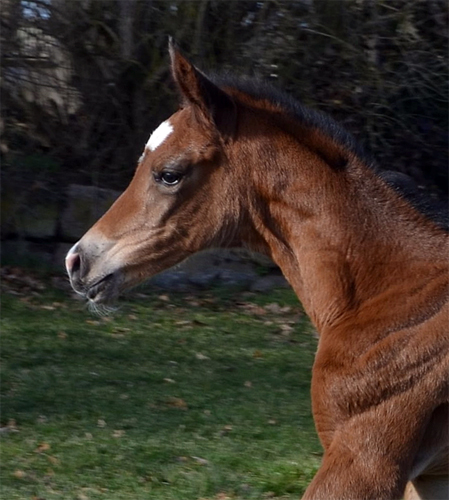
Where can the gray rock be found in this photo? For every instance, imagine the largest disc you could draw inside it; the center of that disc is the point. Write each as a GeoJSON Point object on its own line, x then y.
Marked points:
{"type": "Point", "coordinates": [267, 283]}
{"type": "Point", "coordinates": [171, 280]}
{"type": "Point", "coordinates": [33, 216]}
{"type": "Point", "coordinates": [204, 279]}
{"type": "Point", "coordinates": [29, 253]}
{"type": "Point", "coordinates": [85, 205]}
{"type": "Point", "coordinates": [230, 277]}
{"type": "Point", "coordinates": [35, 224]}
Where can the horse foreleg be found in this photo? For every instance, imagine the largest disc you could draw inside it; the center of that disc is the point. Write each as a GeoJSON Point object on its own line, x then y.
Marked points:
{"type": "Point", "coordinates": [364, 458]}
{"type": "Point", "coordinates": [341, 478]}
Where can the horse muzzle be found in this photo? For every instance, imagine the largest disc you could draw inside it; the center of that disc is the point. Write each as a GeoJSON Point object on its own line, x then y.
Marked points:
{"type": "Point", "coordinates": [96, 282]}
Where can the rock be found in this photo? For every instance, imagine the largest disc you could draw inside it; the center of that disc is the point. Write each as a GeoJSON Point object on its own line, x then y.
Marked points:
{"type": "Point", "coordinates": [231, 277]}
{"type": "Point", "coordinates": [204, 279]}
{"type": "Point", "coordinates": [174, 280]}
{"type": "Point", "coordinates": [268, 283]}
{"type": "Point", "coordinates": [222, 267]}
{"type": "Point", "coordinates": [34, 216]}
{"type": "Point", "coordinates": [28, 253]}
{"type": "Point", "coordinates": [43, 234]}
{"type": "Point", "coordinates": [85, 205]}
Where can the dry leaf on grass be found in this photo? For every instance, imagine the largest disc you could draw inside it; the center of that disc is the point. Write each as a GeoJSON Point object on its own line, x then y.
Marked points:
{"type": "Point", "coordinates": [273, 308]}
{"type": "Point", "coordinates": [42, 447]}
{"type": "Point", "coordinates": [48, 308]}
{"type": "Point", "coordinates": [200, 461]}
{"type": "Point", "coordinates": [11, 426]}
{"type": "Point", "coordinates": [177, 403]}
{"type": "Point", "coordinates": [251, 308]}
{"type": "Point", "coordinates": [121, 329]}
{"type": "Point", "coordinates": [201, 356]}
{"type": "Point", "coordinates": [226, 429]}
{"type": "Point", "coordinates": [277, 309]}
{"type": "Point", "coordinates": [199, 322]}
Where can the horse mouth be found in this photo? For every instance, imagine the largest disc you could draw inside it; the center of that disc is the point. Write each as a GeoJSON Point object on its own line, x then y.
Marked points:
{"type": "Point", "coordinates": [104, 290]}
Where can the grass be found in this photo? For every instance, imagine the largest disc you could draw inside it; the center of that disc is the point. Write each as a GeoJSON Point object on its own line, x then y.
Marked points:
{"type": "Point", "coordinates": [195, 396]}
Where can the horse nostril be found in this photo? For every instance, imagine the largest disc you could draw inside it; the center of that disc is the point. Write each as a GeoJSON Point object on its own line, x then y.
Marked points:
{"type": "Point", "coordinates": [72, 263]}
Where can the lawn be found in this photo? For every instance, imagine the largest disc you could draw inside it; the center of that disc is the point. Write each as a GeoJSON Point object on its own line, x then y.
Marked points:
{"type": "Point", "coordinates": [173, 396]}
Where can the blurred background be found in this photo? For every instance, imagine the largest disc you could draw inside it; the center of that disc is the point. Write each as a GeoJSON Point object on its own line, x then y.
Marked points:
{"type": "Point", "coordinates": [85, 82]}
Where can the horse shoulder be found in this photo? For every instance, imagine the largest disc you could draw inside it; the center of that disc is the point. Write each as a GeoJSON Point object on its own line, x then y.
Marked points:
{"type": "Point", "coordinates": [355, 373]}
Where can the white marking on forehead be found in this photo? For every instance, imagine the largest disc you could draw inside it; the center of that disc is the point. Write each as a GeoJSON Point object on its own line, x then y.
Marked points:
{"type": "Point", "coordinates": [159, 135]}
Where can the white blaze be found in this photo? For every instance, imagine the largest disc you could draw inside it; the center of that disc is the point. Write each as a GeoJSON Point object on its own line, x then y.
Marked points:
{"type": "Point", "coordinates": [159, 135]}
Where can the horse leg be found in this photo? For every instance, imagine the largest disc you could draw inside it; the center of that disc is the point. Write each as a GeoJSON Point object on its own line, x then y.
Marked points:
{"type": "Point", "coordinates": [428, 488]}
{"type": "Point", "coordinates": [368, 457]}
{"type": "Point", "coordinates": [345, 475]}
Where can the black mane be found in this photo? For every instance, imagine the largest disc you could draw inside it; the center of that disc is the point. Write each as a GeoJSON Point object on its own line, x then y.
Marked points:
{"type": "Point", "coordinates": [262, 90]}
{"type": "Point", "coordinates": [405, 186]}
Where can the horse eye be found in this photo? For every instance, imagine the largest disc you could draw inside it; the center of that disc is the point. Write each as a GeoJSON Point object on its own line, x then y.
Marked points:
{"type": "Point", "coordinates": [170, 178]}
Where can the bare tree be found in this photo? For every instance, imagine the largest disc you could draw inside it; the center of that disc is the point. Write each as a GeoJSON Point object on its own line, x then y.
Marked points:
{"type": "Point", "coordinates": [97, 71]}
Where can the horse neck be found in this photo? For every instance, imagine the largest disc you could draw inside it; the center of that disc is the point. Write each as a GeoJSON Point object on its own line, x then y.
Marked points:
{"type": "Point", "coordinates": [343, 239]}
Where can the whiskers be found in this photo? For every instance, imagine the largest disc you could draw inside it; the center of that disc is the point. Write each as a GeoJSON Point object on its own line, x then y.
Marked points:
{"type": "Point", "coordinates": [101, 310]}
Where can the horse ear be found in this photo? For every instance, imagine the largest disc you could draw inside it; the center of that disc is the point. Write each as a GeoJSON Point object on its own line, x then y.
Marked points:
{"type": "Point", "coordinates": [213, 103]}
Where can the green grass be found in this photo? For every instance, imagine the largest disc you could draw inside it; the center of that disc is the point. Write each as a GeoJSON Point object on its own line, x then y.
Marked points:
{"type": "Point", "coordinates": [198, 396]}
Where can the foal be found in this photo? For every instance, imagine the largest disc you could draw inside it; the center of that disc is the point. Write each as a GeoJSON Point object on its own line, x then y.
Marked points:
{"type": "Point", "coordinates": [242, 165]}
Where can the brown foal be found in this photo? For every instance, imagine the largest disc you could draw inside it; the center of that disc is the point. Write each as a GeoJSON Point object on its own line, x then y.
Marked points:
{"type": "Point", "coordinates": [240, 164]}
